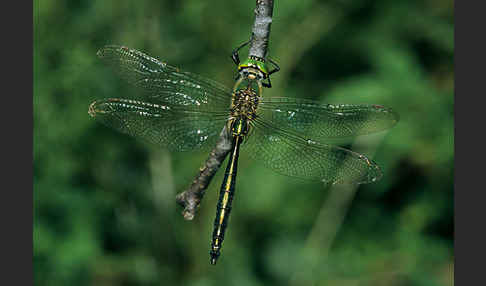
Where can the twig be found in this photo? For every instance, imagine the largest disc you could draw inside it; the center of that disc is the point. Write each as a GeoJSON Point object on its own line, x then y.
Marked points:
{"type": "Point", "coordinates": [261, 28]}
{"type": "Point", "coordinates": [191, 198]}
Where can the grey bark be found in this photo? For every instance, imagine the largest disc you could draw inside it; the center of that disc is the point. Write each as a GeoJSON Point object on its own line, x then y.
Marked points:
{"type": "Point", "coordinates": [191, 198]}
{"type": "Point", "coordinates": [260, 32]}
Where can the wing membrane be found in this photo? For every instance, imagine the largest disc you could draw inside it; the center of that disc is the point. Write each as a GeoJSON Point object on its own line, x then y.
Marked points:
{"type": "Point", "coordinates": [177, 128]}
{"type": "Point", "coordinates": [163, 83]}
{"type": "Point", "coordinates": [177, 110]}
{"type": "Point", "coordinates": [292, 155]}
{"type": "Point", "coordinates": [319, 122]}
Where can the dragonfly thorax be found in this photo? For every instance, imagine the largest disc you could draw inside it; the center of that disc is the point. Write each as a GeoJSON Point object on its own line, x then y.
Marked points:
{"type": "Point", "coordinates": [244, 103]}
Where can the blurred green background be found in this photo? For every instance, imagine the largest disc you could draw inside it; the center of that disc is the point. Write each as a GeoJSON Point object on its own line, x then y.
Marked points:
{"type": "Point", "coordinates": [104, 207]}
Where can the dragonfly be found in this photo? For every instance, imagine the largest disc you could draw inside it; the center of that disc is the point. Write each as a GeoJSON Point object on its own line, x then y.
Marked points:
{"type": "Point", "coordinates": [183, 111]}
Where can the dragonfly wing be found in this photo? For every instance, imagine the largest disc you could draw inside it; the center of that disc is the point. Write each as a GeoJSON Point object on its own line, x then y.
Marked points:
{"type": "Point", "coordinates": [164, 83]}
{"type": "Point", "coordinates": [292, 155]}
{"type": "Point", "coordinates": [173, 127]}
{"type": "Point", "coordinates": [319, 121]}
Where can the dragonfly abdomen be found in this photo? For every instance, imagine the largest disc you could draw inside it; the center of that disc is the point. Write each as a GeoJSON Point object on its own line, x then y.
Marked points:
{"type": "Point", "coordinates": [226, 193]}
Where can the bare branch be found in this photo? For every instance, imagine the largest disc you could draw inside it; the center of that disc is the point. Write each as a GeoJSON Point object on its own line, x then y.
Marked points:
{"type": "Point", "coordinates": [191, 198]}
{"type": "Point", "coordinates": [260, 32]}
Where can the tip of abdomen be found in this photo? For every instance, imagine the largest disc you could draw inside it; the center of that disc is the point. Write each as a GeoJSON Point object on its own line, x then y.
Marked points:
{"type": "Point", "coordinates": [214, 257]}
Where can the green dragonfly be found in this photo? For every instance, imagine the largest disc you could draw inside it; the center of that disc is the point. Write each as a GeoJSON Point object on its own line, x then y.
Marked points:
{"type": "Point", "coordinates": [183, 111]}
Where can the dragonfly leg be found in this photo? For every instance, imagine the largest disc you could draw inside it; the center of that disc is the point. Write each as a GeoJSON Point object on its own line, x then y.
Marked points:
{"type": "Point", "coordinates": [276, 68]}
{"type": "Point", "coordinates": [235, 56]}
{"type": "Point", "coordinates": [269, 84]}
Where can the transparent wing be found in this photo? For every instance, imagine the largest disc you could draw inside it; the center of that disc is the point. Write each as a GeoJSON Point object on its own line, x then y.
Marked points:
{"type": "Point", "coordinates": [317, 121]}
{"type": "Point", "coordinates": [177, 110]}
{"type": "Point", "coordinates": [178, 128]}
{"type": "Point", "coordinates": [162, 83]}
{"type": "Point", "coordinates": [290, 154]}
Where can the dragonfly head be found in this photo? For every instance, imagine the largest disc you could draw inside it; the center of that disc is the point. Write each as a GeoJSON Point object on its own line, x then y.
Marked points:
{"type": "Point", "coordinates": [253, 68]}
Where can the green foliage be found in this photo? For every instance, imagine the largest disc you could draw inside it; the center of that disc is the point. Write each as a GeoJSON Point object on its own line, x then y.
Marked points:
{"type": "Point", "coordinates": [104, 207]}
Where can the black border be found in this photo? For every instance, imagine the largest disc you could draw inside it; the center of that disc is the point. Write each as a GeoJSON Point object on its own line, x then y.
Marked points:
{"type": "Point", "coordinates": [16, 121]}
{"type": "Point", "coordinates": [469, 202]}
